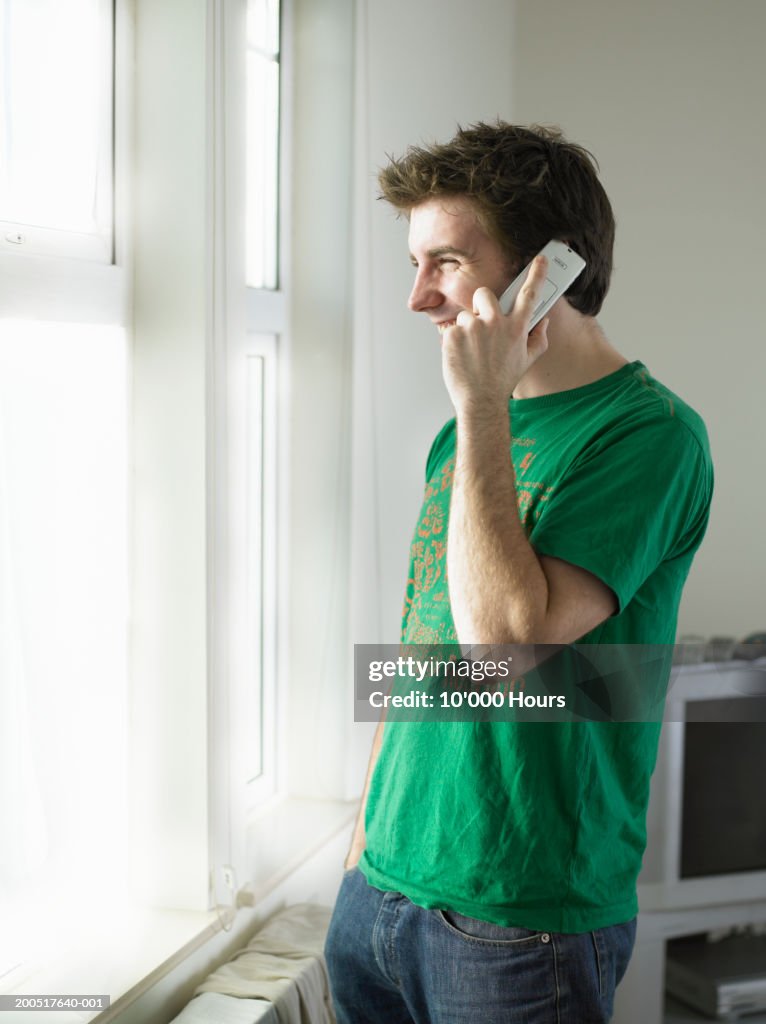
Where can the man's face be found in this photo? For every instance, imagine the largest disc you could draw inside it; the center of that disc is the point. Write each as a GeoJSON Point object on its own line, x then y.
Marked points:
{"type": "Point", "coordinates": [453, 256]}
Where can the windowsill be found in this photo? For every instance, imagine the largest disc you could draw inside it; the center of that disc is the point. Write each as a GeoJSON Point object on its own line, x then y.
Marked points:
{"type": "Point", "coordinates": [139, 948]}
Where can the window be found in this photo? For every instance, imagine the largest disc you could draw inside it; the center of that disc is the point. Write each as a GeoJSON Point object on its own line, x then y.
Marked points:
{"type": "Point", "coordinates": [255, 364]}
{"type": "Point", "coordinates": [263, 95]}
{"type": "Point", "coordinates": [63, 475]}
{"type": "Point", "coordinates": [63, 572]}
{"type": "Point", "coordinates": [56, 99]}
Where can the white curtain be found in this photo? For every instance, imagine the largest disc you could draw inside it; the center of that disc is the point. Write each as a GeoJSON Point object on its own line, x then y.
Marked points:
{"type": "Point", "coordinates": [23, 845]}
{"type": "Point", "coordinates": [63, 621]}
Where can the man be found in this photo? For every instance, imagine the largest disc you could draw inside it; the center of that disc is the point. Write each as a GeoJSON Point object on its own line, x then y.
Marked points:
{"type": "Point", "coordinates": [492, 872]}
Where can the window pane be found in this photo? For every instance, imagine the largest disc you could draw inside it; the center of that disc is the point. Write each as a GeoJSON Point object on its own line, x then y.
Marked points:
{"type": "Point", "coordinates": [254, 560]}
{"type": "Point", "coordinates": [55, 114]}
{"type": "Point", "coordinates": [252, 552]}
{"type": "Point", "coordinates": [262, 159]}
{"type": "Point", "coordinates": [263, 26]}
{"type": "Point", "coordinates": [63, 625]}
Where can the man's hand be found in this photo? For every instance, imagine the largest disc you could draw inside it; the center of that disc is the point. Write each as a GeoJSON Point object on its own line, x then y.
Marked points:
{"type": "Point", "coordinates": [359, 839]}
{"type": "Point", "coordinates": [485, 354]}
{"type": "Point", "coordinates": [353, 858]}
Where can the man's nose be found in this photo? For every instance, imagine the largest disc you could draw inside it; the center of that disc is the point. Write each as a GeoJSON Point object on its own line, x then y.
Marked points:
{"type": "Point", "coordinates": [424, 295]}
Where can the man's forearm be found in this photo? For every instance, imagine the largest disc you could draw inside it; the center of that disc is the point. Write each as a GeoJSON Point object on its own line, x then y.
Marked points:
{"type": "Point", "coordinates": [498, 589]}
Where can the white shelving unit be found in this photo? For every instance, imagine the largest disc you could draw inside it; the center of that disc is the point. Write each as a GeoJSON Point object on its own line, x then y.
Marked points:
{"type": "Point", "coordinates": [640, 998]}
{"type": "Point", "coordinates": [671, 910]}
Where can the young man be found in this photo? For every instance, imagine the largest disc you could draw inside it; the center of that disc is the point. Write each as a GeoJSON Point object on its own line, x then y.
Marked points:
{"type": "Point", "coordinates": [492, 872]}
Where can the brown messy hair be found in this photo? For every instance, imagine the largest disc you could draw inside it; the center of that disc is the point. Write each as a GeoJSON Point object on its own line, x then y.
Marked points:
{"type": "Point", "coordinates": [528, 184]}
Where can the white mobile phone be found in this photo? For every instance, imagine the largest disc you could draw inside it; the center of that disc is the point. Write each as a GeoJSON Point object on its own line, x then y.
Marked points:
{"type": "Point", "coordinates": [563, 267]}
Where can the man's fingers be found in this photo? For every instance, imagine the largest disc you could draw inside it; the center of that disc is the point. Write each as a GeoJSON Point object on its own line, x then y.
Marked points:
{"type": "Point", "coordinates": [529, 296]}
{"type": "Point", "coordinates": [537, 342]}
{"type": "Point", "coordinates": [485, 304]}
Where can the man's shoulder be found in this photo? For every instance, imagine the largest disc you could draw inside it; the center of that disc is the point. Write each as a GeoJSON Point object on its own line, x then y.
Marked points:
{"type": "Point", "coordinates": [660, 407]}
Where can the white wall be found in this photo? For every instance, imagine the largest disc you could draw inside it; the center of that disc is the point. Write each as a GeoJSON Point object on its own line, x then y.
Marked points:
{"type": "Point", "coordinates": [669, 96]}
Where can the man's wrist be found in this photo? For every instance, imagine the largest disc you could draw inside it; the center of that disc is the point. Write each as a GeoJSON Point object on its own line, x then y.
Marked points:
{"type": "Point", "coordinates": [478, 418]}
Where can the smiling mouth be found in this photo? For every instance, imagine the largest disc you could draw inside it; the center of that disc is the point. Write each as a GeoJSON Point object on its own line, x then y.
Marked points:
{"type": "Point", "coordinates": [445, 324]}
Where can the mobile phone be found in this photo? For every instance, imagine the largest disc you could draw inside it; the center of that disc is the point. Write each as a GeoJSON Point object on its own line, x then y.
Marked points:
{"type": "Point", "coordinates": [563, 267]}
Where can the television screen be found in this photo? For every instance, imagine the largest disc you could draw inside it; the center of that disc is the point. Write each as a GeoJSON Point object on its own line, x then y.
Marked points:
{"type": "Point", "coordinates": [723, 829]}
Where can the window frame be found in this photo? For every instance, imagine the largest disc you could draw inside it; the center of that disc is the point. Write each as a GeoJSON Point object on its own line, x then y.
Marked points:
{"type": "Point", "coordinates": [248, 323]}
{"type": "Point", "coordinates": [267, 331]}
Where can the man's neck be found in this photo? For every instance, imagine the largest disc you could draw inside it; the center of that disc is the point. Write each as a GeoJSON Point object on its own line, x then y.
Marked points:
{"type": "Point", "coordinates": [579, 353]}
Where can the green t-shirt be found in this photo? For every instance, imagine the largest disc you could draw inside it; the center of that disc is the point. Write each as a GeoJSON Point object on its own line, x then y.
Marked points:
{"type": "Point", "coordinates": [542, 824]}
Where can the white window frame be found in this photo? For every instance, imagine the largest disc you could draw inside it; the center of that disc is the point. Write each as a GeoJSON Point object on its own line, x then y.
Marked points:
{"type": "Point", "coordinates": [267, 337]}
{"type": "Point", "coordinates": [246, 614]}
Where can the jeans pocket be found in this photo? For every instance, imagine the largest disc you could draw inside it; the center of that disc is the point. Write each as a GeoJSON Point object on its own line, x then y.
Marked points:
{"type": "Point", "coordinates": [471, 929]}
{"type": "Point", "coordinates": [613, 947]}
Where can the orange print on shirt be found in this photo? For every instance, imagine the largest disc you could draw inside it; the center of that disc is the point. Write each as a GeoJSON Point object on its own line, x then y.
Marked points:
{"type": "Point", "coordinates": [531, 499]}
{"type": "Point", "coordinates": [432, 523]}
{"type": "Point", "coordinates": [526, 462]}
{"type": "Point", "coordinates": [448, 472]}
{"type": "Point", "coordinates": [427, 571]}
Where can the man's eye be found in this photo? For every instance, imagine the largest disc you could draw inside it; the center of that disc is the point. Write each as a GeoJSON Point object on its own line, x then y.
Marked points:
{"type": "Point", "coordinates": [447, 259]}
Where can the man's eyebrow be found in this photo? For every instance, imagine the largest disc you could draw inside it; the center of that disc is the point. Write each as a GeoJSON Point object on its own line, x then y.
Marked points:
{"type": "Point", "coordinates": [445, 250]}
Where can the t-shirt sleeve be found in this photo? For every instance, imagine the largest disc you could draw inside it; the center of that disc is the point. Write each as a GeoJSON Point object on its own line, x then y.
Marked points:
{"type": "Point", "coordinates": [441, 442]}
{"type": "Point", "coordinates": [635, 499]}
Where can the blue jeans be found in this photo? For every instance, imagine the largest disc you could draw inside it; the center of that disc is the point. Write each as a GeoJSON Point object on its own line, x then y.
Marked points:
{"type": "Point", "coordinates": [393, 962]}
